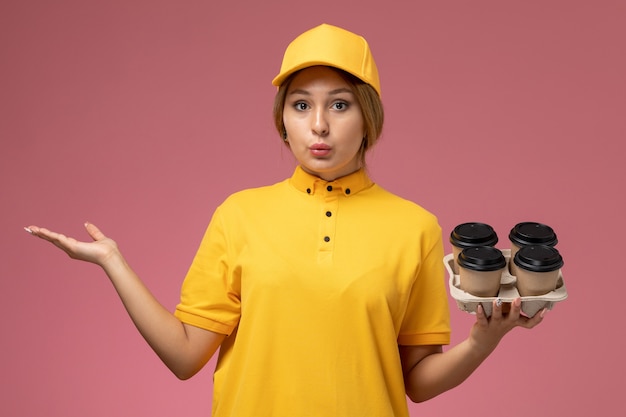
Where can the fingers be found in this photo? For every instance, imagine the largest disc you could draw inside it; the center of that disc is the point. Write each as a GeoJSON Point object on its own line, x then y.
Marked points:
{"type": "Point", "coordinates": [57, 239]}
{"type": "Point", "coordinates": [94, 232]}
{"type": "Point", "coordinates": [43, 233]}
{"type": "Point", "coordinates": [509, 314]}
{"type": "Point", "coordinates": [51, 236]}
{"type": "Point", "coordinates": [67, 244]}
{"type": "Point", "coordinates": [516, 309]}
{"type": "Point", "coordinates": [498, 313]}
{"type": "Point", "coordinates": [518, 319]}
{"type": "Point", "coordinates": [481, 317]}
{"type": "Point", "coordinates": [100, 250]}
{"type": "Point", "coordinates": [496, 309]}
{"type": "Point", "coordinates": [529, 323]}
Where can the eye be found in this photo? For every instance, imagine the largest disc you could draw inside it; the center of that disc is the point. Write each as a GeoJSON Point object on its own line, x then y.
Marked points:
{"type": "Point", "coordinates": [300, 105]}
{"type": "Point", "coordinates": [340, 105]}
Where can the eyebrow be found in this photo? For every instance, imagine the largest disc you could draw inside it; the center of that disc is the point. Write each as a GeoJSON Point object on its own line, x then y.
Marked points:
{"type": "Point", "coordinates": [330, 93]}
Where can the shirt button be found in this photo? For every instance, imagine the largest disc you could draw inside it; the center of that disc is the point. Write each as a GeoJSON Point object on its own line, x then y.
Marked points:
{"type": "Point", "coordinates": [328, 214]}
{"type": "Point", "coordinates": [329, 188]}
{"type": "Point", "coordinates": [347, 191]}
{"type": "Point", "coordinates": [326, 239]}
{"type": "Point", "coordinates": [308, 191]}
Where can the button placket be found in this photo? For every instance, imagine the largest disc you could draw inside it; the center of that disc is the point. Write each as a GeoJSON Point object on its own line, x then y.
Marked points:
{"type": "Point", "coordinates": [328, 218]}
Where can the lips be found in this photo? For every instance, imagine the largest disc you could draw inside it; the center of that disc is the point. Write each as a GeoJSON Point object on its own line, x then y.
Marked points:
{"type": "Point", "coordinates": [320, 149]}
{"type": "Point", "coordinates": [320, 146]}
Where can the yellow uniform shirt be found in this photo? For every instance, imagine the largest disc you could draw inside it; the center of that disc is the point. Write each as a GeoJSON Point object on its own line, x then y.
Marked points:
{"type": "Point", "coordinates": [316, 283]}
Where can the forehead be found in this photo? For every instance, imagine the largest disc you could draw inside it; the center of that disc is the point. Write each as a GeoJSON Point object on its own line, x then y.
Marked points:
{"type": "Point", "coordinates": [320, 77]}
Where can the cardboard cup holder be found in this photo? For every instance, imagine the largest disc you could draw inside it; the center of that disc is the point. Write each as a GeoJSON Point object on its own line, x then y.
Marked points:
{"type": "Point", "coordinates": [508, 291]}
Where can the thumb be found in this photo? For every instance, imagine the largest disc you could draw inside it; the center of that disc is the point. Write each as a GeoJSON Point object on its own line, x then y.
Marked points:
{"type": "Point", "coordinates": [94, 232]}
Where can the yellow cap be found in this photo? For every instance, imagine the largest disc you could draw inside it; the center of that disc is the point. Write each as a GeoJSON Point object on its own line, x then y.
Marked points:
{"type": "Point", "coordinates": [334, 47]}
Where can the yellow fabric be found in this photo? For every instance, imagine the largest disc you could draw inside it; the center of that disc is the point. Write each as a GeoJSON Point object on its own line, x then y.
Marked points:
{"type": "Point", "coordinates": [332, 46]}
{"type": "Point", "coordinates": [316, 283]}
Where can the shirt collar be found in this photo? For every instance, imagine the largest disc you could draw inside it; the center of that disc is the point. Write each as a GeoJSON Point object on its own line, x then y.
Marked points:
{"type": "Point", "coordinates": [349, 185]}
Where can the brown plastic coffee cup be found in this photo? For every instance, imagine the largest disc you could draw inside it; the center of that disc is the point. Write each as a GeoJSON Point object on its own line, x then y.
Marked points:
{"type": "Point", "coordinates": [480, 270]}
{"type": "Point", "coordinates": [529, 234]}
{"type": "Point", "coordinates": [469, 235]}
{"type": "Point", "coordinates": [538, 269]}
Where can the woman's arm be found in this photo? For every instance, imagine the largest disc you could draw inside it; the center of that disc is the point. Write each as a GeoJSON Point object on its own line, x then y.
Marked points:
{"type": "Point", "coordinates": [184, 349]}
{"type": "Point", "coordinates": [429, 372]}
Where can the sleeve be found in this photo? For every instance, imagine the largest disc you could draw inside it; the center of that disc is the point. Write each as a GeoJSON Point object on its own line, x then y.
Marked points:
{"type": "Point", "coordinates": [210, 295]}
{"type": "Point", "coordinates": [427, 316]}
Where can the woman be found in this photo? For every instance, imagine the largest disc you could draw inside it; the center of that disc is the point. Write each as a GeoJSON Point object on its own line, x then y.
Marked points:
{"type": "Point", "coordinates": [325, 293]}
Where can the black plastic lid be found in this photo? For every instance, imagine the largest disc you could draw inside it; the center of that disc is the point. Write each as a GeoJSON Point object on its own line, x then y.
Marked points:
{"type": "Point", "coordinates": [467, 235]}
{"type": "Point", "coordinates": [538, 258]}
{"type": "Point", "coordinates": [531, 233]}
{"type": "Point", "coordinates": [482, 258]}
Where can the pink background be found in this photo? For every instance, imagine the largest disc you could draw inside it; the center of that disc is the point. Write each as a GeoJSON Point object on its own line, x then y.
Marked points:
{"type": "Point", "coordinates": [142, 116]}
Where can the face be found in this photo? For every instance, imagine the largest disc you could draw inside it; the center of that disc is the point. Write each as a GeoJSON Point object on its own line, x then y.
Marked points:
{"type": "Point", "coordinates": [324, 123]}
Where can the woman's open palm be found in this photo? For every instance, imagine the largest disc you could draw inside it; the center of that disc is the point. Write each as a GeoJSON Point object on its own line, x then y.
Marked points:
{"type": "Point", "coordinates": [97, 251]}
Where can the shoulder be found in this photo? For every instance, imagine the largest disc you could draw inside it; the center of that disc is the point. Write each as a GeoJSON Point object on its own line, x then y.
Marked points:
{"type": "Point", "coordinates": [254, 199]}
{"type": "Point", "coordinates": [403, 207]}
{"type": "Point", "coordinates": [406, 220]}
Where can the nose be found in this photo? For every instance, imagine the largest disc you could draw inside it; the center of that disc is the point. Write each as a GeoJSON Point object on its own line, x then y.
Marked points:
{"type": "Point", "coordinates": [320, 123]}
